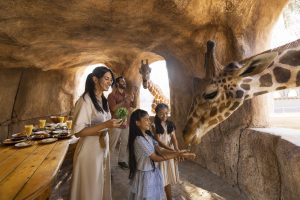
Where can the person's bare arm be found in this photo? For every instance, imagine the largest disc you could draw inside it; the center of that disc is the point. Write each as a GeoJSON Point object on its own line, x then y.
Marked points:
{"type": "Point", "coordinates": [171, 155]}
{"type": "Point", "coordinates": [174, 141]}
{"type": "Point", "coordinates": [94, 130]}
{"type": "Point", "coordinates": [160, 143]}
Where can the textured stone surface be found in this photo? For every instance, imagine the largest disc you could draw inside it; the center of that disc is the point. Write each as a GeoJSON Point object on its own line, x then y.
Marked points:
{"type": "Point", "coordinates": [3, 132]}
{"type": "Point", "coordinates": [60, 34]}
{"type": "Point", "coordinates": [260, 162]}
{"type": "Point", "coordinates": [9, 82]}
{"type": "Point", "coordinates": [258, 168]}
{"type": "Point", "coordinates": [289, 158]}
{"type": "Point", "coordinates": [30, 94]}
{"type": "Point", "coordinates": [44, 93]}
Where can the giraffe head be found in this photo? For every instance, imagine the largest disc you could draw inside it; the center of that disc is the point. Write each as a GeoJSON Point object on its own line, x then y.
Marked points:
{"type": "Point", "coordinates": [145, 71]}
{"type": "Point", "coordinates": [224, 91]}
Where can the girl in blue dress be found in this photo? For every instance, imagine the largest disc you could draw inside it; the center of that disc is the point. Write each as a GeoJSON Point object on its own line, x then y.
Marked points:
{"type": "Point", "coordinates": [146, 179]}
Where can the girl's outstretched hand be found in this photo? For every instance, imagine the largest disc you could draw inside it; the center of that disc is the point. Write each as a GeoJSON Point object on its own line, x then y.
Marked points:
{"type": "Point", "coordinates": [188, 155]}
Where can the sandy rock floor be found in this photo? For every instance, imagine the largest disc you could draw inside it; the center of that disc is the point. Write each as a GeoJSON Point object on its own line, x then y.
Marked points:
{"type": "Point", "coordinates": [197, 183]}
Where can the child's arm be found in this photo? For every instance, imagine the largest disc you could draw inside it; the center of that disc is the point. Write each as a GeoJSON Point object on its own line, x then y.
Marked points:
{"type": "Point", "coordinates": [171, 155]}
{"type": "Point", "coordinates": [174, 141]}
{"type": "Point", "coordinates": [160, 143]}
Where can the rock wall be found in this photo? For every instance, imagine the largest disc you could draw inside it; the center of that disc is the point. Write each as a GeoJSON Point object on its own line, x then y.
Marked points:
{"type": "Point", "coordinates": [260, 164]}
{"type": "Point", "coordinates": [30, 94]}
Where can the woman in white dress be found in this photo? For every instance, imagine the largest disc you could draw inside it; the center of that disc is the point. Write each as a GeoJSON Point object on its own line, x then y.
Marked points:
{"type": "Point", "coordinates": [165, 135]}
{"type": "Point", "coordinates": [92, 118]}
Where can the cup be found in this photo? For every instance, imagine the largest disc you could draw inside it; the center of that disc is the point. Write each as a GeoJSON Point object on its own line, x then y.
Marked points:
{"type": "Point", "coordinates": [61, 119]}
{"type": "Point", "coordinates": [42, 123]}
{"type": "Point", "coordinates": [69, 124]}
{"type": "Point", "coordinates": [28, 129]}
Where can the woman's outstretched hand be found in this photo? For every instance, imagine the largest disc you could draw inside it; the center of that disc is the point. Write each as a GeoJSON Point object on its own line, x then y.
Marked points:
{"type": "Point", "coordinates": [113, 123]}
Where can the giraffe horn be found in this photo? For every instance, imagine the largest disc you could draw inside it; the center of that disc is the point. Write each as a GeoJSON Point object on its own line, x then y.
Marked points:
{"type": "Point", "coordinates": [211, 64]}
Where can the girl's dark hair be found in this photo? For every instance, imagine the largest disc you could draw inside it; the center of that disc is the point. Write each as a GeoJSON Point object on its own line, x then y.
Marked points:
{"type": "Point", "coordinates": [90, 87]}
{"type": "Point", "coordinates": [135, 131]}
{"type": "Point", "coordinates": [157, 122]}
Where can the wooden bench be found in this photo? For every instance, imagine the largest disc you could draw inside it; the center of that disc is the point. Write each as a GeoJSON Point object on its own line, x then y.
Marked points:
{"type": "Point", "coordinates": [28, 173]}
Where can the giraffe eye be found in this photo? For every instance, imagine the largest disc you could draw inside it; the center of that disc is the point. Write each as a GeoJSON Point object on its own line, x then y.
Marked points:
{"type": "Point", "coordinates": [210, 95]}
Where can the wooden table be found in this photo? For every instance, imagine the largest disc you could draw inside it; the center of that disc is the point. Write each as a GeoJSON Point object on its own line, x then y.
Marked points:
{"type": "Point", "coordinates": [28, 173]}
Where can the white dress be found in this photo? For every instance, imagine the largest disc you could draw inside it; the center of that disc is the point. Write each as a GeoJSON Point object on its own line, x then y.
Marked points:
{"type": "Point", "coordinates": [168, 168]}
{"type": "Point", "coordinates": [91, 167]}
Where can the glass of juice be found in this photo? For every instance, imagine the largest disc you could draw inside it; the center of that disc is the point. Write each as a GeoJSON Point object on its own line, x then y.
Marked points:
{"type": "Point", "coordinates": [61, 119]}
{"type": "Point", "coordinates": [28, 129]}
{"type": "Point", "coordinates": [42, 123]}
{"type": "Point", "coordinates": [69, 124]}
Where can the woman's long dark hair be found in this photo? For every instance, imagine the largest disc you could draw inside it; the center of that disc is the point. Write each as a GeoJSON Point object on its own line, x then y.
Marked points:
{"type": "Point", "coordinates": [158, 127]}
{"type": "Point", "coordinates": [90, 87]}
{"type": "Point", "coordinates": [135, 131]}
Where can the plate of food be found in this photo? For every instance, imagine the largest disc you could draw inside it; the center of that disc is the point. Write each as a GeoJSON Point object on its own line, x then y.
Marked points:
{"type": "Point", "coordinates": [57, 131]}
{"type": "Point", "coordinates": [39, 133]}
{"type": "Point", "coordinates": [18, 136]}
{"type": "Point", "coordinates": [48, 140]}
{"type": "Point", "coordinates": [13, 141]}
{"type": "Point", "coordinates": [40, 136]}
{"type": "Point", "coordinates": [64, 135]}
{"type": "Point", "coordinates": [24, 144]}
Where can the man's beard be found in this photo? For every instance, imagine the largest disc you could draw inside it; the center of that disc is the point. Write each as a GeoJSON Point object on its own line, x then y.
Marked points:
{"type": "Point", "coordinates": [122, 86]}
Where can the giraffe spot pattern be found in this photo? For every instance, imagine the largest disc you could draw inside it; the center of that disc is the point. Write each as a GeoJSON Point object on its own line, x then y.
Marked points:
{"type": "Point", "coordinates": [227, 114]}
{"type": "Point", "coordinates": [245, 86]}
{"type": "Point", "coordinates": [234, 106]}
{"type": "Point", "coordinates": [220, 118]}
{"type": "Point", "coordinates": [229, 94]}
{"type": "Point", "coordinates": [260, 93]}
{"type": "Point", "coordinates": [228, 104]}
{"type": "Point", "coordinates": [298, 79]}
{"type": "Point", "coordinates": [281, 75]}
{"type": "Point", "coordinates": [291, 58]}
{"type": "Point", "coordinates": [239, 93]}
{"type": "Point", "coordinates": [246, 96]}
{"type": "Point", "coordinates": [202, 120]}
{"type": "Point", "coordinates": [222, 107]}
{"type": "Point", "coordinates": [266, 80]}
{"type": "Point", "coordinates": [212, 122]}
{"type": "Point", "coordinates": [213, 111]}
{"type": "Point", "coordinates": [223, 97]}
{"type": "Point", "coordinates": [281, 88]}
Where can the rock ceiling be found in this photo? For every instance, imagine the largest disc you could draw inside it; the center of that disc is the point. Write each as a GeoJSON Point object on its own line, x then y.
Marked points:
{"type": "Point", "coordinates": [55, 34]}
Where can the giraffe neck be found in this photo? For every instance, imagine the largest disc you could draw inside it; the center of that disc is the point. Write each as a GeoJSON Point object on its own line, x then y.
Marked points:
{"type": "Point", "coordinates": [282, 74]}
{"type": "Point", "coordinates": [157, 93]}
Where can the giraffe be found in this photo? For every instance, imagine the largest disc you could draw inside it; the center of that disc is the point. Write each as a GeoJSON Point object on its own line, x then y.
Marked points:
{"type": "Point", "coordinates": [154, 89]}
{"type": "Point", "coordinates": [226, 89]}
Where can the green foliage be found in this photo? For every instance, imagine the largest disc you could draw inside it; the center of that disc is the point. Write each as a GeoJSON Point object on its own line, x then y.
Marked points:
{"type": "Point", "coordinates": [121, 113]}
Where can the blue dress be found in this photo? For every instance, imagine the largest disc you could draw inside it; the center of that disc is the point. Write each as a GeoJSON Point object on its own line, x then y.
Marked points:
{"type": "Point", "coordinates": [147, 183]}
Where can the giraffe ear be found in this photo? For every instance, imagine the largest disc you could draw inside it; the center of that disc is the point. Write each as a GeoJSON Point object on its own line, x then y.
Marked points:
{"type": "Point", "coordinates": [256, 65]}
